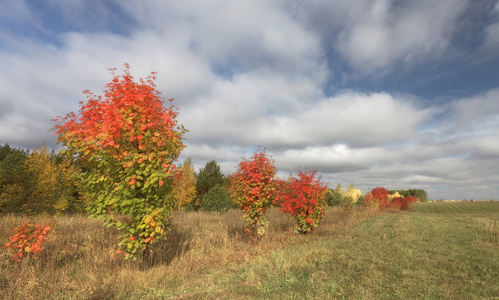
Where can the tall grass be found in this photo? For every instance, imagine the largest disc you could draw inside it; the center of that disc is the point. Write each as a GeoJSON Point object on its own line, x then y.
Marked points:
{"type": "Point", "coordinates": [79, 259]}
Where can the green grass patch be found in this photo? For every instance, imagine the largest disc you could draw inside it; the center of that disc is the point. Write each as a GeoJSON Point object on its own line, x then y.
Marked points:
{"type": "Point", "coordinates": [437, 254]}
{"type": "Point", "coordinates": [477, 207]}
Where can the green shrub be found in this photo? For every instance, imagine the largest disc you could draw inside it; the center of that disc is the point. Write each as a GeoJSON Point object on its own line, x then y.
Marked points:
{"type": "Point", "coordinates": [217, 199]}
{"type": "Point", "coordinates": [334, 198]}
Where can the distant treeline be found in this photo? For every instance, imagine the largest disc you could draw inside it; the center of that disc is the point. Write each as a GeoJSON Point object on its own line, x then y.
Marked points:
{"type": "Point", "coordinates": [418, 193]}
{"type": "Point", "coordinates": [38, 181]}
{"type": "Point", "coordinates": [352, 197]}
{"type": "Point", "coordinates": [44, 182]}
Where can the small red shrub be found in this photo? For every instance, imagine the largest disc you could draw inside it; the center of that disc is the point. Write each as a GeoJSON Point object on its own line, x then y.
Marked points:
{"type": "Point", "coordinates": [403, 203]}
{"type": "Point", "coordinates": [412, 199]}
{"type": "Point", "coordinates": [27, 238]}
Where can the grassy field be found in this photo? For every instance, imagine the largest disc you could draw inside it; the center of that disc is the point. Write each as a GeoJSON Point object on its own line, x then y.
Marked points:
{"type": "Point", "coordinates": [433, 251]}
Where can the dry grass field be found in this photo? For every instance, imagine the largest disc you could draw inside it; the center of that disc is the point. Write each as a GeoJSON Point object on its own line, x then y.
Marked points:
{"type": "Point", "coordinates": [432, 251]}
{"type": "Point", "coordinates": [78, 261]}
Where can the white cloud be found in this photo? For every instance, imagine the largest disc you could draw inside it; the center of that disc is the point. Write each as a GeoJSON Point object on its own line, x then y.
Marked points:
{"type": "Point", "coordinates": [240, 35]}
{"type": "Point", "coordinates": [275, 117]}
{"type": "Point", "coordinates": [359, 118]}
{"type": "Point", "coordinates": [421, 179]}
{"type": "Point", "coordinates": [473, 116]}
{"type": "Point", "coordinates": [491, 42]}
{"type": "Point", "coordinates": [375, 36]}
{"type": "Point", "coordinates": [478, 107]}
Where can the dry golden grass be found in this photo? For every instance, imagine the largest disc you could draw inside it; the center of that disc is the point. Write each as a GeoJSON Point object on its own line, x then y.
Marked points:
{"type": "Point", "coordinates": [79, 261]}
{"type": "Point", "coordinates": [486, 232]}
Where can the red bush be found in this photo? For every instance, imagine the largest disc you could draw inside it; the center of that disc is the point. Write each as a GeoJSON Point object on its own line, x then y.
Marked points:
{"type": "Point", "coordinates": [397, 201]}
{"type": "Point", "coordinates": [303, 198]}
{"type": "Point", "coordinates": [378, 198]}
{"type": "Point", "coordinates": [403, 203]}
{"type": "Point", "coordinates": [412, 199]}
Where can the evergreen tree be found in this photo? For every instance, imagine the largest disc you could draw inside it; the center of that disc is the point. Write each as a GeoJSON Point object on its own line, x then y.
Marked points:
{"type": "Point", "coordinates": [217, 199]}
{"type": "Point", "coordinates": [208, 177]}
{"type": "Point", "coordinates": [336, 196]}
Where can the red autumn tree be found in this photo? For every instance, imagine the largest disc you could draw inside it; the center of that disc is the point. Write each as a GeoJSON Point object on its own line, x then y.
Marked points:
{"type": "Point", "coordinates": [253, 187]}
{"type": "Point", "coordinates": [378, 198]}
{"type": "Point", "coordinates": [303, 198]}
{"type": "Point", "coordinates": [127, 143]}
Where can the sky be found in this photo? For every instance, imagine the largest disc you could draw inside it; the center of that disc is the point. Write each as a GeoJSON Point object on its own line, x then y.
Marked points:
{"type": "Point", "coordinates": [399, 94]}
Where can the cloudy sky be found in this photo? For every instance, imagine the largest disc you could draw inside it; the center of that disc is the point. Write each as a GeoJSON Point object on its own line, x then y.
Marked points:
{"type": "Point", "coordinates": [400, 94]}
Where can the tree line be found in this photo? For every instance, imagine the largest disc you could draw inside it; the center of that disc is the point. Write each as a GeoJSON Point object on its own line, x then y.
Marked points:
{"type": "Point", "coordinates": [40, 181]}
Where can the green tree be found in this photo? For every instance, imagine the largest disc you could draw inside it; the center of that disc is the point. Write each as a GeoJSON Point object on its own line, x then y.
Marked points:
{"type": "Point", "coordinates": [207, 178]}
{"type": "Point", "coordinates": [336, 196]}
{"type": "Point", "coordinates": [127, 143]}
{"type": "Point", "coordinates": [217, 199]}
{"type": "Point", "coordinates": [418, 193]}
{"type": "Point", "coordinates": [44, 170]}
{"type": "Point", "coordinates": [5, 150]}
{"type": "Point", "coordinates": [16, 181]}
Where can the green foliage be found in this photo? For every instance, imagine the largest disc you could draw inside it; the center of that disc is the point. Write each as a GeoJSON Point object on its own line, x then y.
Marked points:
{"type": "Point", "coordinates": [6, 150]}
{"type": "Point", "coordinates": [361, 199]}
{"type": "Point", "coordinates": [40, 182]}
{"type": "Point", "coordinates": [335, 197]}
{"type": "Point", "coordinates": [328, 198]}
{"type": "Point", "coordinates": [208, 177]}
{"type": "Point", "coordinates": [217, 199]}
{"type": "Point", "coordinates": [418, 193]}
{"type": "Point", "coordinates": [16, 181]}
{"type": "Point", "coordinates": [54, 186]}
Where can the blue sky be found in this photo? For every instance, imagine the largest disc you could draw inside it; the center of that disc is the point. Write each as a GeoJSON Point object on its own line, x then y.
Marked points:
{"type": "Point", "coordinates": [400, 94]}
